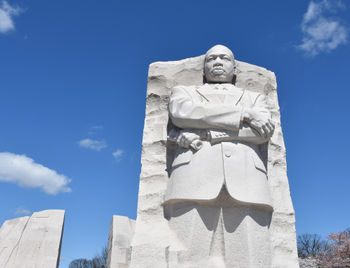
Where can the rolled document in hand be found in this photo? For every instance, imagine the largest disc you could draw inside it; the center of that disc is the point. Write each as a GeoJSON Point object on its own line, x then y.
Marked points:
{"type": "Point", "coordinates": [196, 145]}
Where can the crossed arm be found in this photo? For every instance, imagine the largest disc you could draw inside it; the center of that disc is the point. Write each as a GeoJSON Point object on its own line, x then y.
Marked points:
{"type": "Point", "coordinates": [239, 123]}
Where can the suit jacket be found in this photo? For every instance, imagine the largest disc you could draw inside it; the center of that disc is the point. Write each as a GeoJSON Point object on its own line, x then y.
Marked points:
{"type": "Point", "coordinates": [230, 156]}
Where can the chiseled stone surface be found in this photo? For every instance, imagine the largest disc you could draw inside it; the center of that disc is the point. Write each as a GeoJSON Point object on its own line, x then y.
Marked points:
{"type": "Point", "coordinates": [150, 244]}
{"type": "Point", "coordinates": [32, 242]}
{"type": "Point", "coordinates": [119, 242]}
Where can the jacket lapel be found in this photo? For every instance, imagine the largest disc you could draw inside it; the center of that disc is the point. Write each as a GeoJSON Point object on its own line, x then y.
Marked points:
{"type": "Point", "coordinates": [206, 93]}
{"type": "Point", "coordinates": [229, 95]}
{"type": "Point", "coordinates": [235, 94]}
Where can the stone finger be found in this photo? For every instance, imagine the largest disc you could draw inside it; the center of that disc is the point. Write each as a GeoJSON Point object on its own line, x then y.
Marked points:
{"type": "Point", "coordinates": [266, 130]}
{"type": "Point", "coordinates": [260, 131]}
{"type": "Point", "coordinates": [182, 141]}
{"type": "Point", "coordinates": [269, 127]}
{"type": "Point", "coordinates": [178, 140]}
{"type": "Point", "coordinates": [187, 142]}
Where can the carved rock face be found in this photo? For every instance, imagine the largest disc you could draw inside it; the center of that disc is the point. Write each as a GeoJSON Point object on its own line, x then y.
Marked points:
{"type": "Point", "coordinates": [219, 65]}
{"type": "Point", "coordinates": [152, 237]}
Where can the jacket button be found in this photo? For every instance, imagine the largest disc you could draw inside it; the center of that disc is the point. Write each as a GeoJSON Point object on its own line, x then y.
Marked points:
{"type": "Point", "coordinates": [227, 153]}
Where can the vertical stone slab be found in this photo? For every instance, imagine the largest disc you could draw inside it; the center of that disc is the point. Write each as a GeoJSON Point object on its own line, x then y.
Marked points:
{"type": "Point", "coordinates": [32, 242]}
{"type": "Point", "coordinates": [152, 235]}
{"type": "Point", "coordinates": [119, 242]}
{"type": "Point", "coordinates": [10, 235]}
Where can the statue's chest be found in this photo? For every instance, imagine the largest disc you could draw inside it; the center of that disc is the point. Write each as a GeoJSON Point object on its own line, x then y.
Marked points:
{"type": "Point", "coordinates": [224, 97]}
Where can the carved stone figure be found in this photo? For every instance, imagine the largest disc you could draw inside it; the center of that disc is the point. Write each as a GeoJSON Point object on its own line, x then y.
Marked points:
{"type": "Point", "coordinates": [218, 183]}
{"type": "Point", "coordinates": [213, 185]}
{"type": "Point", "coordinates": [230, 123]}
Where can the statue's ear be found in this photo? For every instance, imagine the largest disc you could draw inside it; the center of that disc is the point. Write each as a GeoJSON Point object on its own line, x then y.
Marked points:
{"type": "Point", "coordinates": [235, 66]}
{"type": "Point", "coordinates": [234, 79]}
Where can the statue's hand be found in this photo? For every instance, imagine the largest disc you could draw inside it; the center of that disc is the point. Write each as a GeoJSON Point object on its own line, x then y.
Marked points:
{"type": "Point", "coordinates": [186, 138]}
{"type": "Point", "coordinates": [259, 122]}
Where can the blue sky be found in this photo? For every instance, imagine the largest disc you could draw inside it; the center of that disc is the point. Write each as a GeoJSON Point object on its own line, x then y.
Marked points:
{"type": "Point", "coordinates": [72, 100]}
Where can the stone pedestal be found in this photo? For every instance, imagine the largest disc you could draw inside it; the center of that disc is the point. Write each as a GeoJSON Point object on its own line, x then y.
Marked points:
{"type": "Point", "coordinates": [32, 242]}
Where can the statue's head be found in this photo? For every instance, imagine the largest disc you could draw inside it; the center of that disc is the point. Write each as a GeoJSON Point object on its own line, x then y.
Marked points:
{"type": "Point", "coordinates": [219, 65]}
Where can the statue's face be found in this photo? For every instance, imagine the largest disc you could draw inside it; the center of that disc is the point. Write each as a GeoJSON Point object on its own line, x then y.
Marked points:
{"type": "Point", "coordinates": [219, 65]}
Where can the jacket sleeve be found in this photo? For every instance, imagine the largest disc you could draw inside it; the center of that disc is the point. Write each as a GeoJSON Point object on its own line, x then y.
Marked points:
{"type": "Point", "coordinates": [245, 133]}
{"type": "Point", "coordinates": [261, 106]}
{"type": "Point", "coordinates": [249, 133]}
{"type": "Point", "coordinates": [187, 113]}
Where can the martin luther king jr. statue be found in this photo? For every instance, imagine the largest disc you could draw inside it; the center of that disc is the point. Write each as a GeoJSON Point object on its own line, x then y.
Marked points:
{"type": "Point", "coordinates": [217, 200]}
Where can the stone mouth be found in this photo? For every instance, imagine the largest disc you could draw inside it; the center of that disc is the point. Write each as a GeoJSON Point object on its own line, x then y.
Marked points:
{"type": "Point", "coordinates": [218, 71]}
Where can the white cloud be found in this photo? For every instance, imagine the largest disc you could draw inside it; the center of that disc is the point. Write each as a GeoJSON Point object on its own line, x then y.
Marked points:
{"type": "Point", "coordinates": [6, 16]}
{"type": "Point", "coordinates": [322, 32]}
{"type": "Point", "coordinates": [97, 127]}
{"type": "Point", "coordinates": [23, 171]}
{"type": "Point", "coordinates": [94, 129]}
{"type": "Point", "coordinates": [118, 154]}
{"type": "Point", "coordinates": [22, 211]}
{"type": "Point", "coordinates": [93, 144]}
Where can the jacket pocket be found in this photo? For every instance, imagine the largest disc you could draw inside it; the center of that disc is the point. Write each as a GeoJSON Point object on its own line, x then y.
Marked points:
{"type": "Point", "coordinates": [258, 162]}
{"type": "Point", "coordinates": [183, 156]}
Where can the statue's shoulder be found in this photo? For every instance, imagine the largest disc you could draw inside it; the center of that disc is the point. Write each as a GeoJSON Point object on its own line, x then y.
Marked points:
{"type": "Point", "coordinates": [192, 87]}
{"type": "Point", "coordinates": [254, 96]}
{"type": "Point", "coordinates": [188, 89]}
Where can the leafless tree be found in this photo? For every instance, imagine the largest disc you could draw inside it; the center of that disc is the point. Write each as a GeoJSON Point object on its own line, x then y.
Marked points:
{"type": "Point", "coordinates": [311, 245]}
{"type": "Point", "coordinates": [99, 261]}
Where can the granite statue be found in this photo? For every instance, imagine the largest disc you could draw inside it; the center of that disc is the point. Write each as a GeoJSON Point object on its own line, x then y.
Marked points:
{"type": "Point", "coordinates": [213, 186]}
{"type": "Point", "coordinates": [218, 183]}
